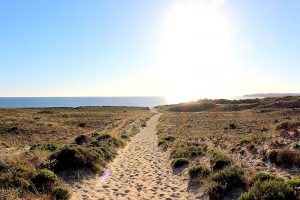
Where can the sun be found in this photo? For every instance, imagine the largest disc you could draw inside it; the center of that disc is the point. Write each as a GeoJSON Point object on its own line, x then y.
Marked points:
{"type": "Point", "coordinates": [196, 49]}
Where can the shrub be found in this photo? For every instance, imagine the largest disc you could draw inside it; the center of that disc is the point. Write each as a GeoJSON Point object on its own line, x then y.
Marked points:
{"type": "Point", "coordinates": [22, 183]}
{"type": "Point", "coordinates": [124, 136]}
{"type": "Point", "coordinates": [219, 161]}
{"type": "Point", "coordinates": [283, 125]}
{"type": "Point", "coordinates": [198, 171]}
{"type": "Point", "coordinates": [165, 140]}
{"type": "Point", "coordinates": [284, 157]}
{"type": "Point", "coordinates": [288, 125]}
{"type": "Point", "coordinates": [82, 124]}
{"type": "Point", "coordinates": [232, 126]}
{"type": "Point", "coordinates": [110, 140]}
{"type": "Point", "coordinates": [44, 180]}
{"type": "Point", "coordinates": [76, 157]}
{"type": "Point", "coordinates": [61, 193]}
{"type": "Point", "coordinates": [81, 139]}
{"type": "Point", "coordinates": [270, 190]}
{"type": "Point", "coordinates": [9, 181]}
{"type": "Point", "coordinates": [105, 151]}
{"type": "Point", "coordinates": [3, 166]}
{"type": "Point", "coordinates": [162, 142]}
{"type": "Point", "coordinates": [179, 162]}
{"type": "Point", "coordinates": [295, 185]}
{"type": "Point", "coordinates": [49, 146]}
{"type": "Point", "coordinates": [221, 182]}
{"type": "Point", "coordinates": [263, 177]}
{"type": "Point", "coordinates": [169, 138]}
{"type": "Point", "coordinates": [188, 152]}
{"type": "Point", "coordinates": [95, 135]}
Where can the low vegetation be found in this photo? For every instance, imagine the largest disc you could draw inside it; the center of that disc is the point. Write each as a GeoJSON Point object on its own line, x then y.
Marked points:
{"type": "Point", "coordinates": [246, 149]}
{"type": "Point", "coordinates": [39, 147]}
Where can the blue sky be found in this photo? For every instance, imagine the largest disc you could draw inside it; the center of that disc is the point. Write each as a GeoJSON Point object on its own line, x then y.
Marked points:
{"type": "Point", "coordinates": [114, 48]}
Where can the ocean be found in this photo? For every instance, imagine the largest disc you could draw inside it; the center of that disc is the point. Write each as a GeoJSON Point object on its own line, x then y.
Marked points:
{"type": "Point", "coordinates": [28, 102]}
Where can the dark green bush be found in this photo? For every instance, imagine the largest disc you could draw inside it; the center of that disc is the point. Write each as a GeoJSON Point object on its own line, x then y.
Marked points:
{"type": "Point", "coordinates": [179, 162]}
{"type": "Point", "coordinates": [198, 171]}
{"type": "Point", "coordinates": [81, 139]}
{"type": "Point", "coordinates": [77, 157]}
{"type": "Point", "coordinates": [270, 190]}
{"type": "Point", "coordinates": [221, 182]}
{"type": "Point", "coordinates": [219, 161]}
{"type": "Point", "coordinates": [61, 193]}
{"type": "Point", "coordinates": [44, 180]}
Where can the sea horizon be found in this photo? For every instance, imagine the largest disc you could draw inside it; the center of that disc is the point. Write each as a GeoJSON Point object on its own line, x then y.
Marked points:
{"type": "Point", "coordinates": [37, 102]}
{"type": "Point", "coordinates": [77, 101]}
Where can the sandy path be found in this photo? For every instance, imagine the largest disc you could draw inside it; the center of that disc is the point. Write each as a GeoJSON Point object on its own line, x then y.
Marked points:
{"type": "Point", "coordinates": [140, 171]}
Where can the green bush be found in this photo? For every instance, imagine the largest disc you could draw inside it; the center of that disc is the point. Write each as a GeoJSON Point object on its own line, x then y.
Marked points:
{"type": "Point", "coordinates": [106, 152]}
{"type": "Point", "coordinates": [270, 190]}
{"type": "Point", "coordinates": [81, 139]}
{"type": "Point", "coordinates": [263, 177]}
{"type": "Point", "coordinates": [44, 180]}
{"type": "Point", "coordinates": [77, 157]}
{"type": "Point", "coordinates": [221, 182]}
{"type": "Point", "coordinates": [188, 152]}
{"type": "Point", "coordinates": [61, 193]}
{"type": "Point", "coordinates": [219, 161]}
{"type": "Point", "coordinates": [162, 142]}
{"type": "Point", "coordinates": [294, 183]}
{"type": "Point", "coordinates": [22, 183]}
{"type": "Point", "coordinates": [198, 171]}
{"type": "Point", "coordinates": [179, 162]}
{"type": "Point", "coordinates": [49, 146]}
{"type": "Point", "coordinates": [110, 140]}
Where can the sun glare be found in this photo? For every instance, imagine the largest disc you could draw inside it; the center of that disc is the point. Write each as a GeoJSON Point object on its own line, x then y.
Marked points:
{"type": "Point", "coordinates": [195, 49]}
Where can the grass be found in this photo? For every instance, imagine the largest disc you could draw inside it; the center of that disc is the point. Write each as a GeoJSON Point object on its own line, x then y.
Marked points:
{"type": "Point", "coordinates": [27, 126]}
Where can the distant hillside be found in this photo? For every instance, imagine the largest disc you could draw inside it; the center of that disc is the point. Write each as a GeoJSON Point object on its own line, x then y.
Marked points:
{"type": "Point", "coordinates": [225, 105]}
{"type": "Point", "coordinates": [263, 95]}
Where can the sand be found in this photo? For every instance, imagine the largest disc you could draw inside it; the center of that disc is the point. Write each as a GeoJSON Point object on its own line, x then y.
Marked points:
{"type": "Point", "coordinates": [140, 171]}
